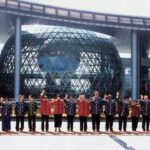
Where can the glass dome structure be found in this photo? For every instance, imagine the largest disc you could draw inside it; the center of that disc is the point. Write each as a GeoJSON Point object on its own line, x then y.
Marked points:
{"type": "Point", "coordinates": [62, 60]}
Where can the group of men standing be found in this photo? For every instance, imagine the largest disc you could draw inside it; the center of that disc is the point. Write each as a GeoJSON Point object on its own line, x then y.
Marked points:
{"type": "Point", "coordinates": [45, 110]}
{"type": "Point", "coordinates": [82, 107]}
{"type": "Point", "coordinates": [21, 109]}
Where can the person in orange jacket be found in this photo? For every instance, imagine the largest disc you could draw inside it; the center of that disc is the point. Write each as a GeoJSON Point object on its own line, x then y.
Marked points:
{"type": "Point", "coordinates": [58, 105]}
{"type": "Point", "coordinates": [83, 112]}
{"type": "Point", "coordinates": [45, 110]}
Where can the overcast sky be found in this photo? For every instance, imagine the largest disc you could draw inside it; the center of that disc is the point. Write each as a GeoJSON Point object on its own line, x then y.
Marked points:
{"type": "Point", "coordinates": [128, 7]}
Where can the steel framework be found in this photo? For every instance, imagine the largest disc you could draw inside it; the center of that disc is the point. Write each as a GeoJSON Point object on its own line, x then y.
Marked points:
{"type": "Point", "coordinates": [62, 60]}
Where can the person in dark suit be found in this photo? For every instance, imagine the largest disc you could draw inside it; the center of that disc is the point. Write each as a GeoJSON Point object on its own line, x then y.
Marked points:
{"type": "Point", "coordinates": [6, 112]}
{"type": "Point", "coordinates": [110, 112]}
{"type": "Point", "coordinates": [31, 111]}
{"type": "Point", "coordinates": [70, 110]}
{"type": "Point", "coordinates": [96, 104]}
{"type": "Point", "coordinates": [145, 111]}
{"type": "Point", "coordinates": [20, 111]}
{"type": "Point", "coordinates": [123, 112]}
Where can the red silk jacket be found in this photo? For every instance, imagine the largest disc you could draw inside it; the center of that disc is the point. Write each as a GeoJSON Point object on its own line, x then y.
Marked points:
{"type": "Point", "coordinates": [45, 107]}
{"type": "Point", "coordinates": [83, 108]}
{"type": "Point", "coordinates": [58, 106]}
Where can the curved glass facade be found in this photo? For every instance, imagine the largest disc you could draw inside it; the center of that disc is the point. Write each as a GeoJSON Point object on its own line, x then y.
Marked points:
{"type": "Point", "coordinates": [62, 60]}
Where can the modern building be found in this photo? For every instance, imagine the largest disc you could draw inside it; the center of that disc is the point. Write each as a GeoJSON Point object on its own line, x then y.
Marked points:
{"type": "Point", "coordinates": [62, 60]}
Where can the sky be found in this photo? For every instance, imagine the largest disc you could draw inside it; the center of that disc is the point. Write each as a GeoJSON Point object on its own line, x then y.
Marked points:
{"type": "Point", "coordinates": [126, 7]}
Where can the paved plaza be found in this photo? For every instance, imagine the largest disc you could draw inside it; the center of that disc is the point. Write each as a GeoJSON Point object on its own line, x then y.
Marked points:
{"type": "Point", "coordinates": [76, 140]}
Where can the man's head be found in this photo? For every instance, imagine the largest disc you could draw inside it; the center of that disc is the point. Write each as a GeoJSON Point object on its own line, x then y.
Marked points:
{"type": "Point", "coordinates": [109, 96]}
{"type": "Point", "coordinates": [70, 97]}
{"type": "Point", "coordinates": [122, 98]}
{"type": "Point", "coordinates": [58, 97]}
{"type": "Point", "coordinates": [135, 102]}
{"type": "Point", "coordinates": [6, 99]}
{"type": "Point", "coordinates": [45, 97]}
{"type": "Point", "coordinates": [96, 93]}
{"type": "Point", "coordinates": [141, 97]}
{"type": "Point", "coordinates": [83, 97]}
{"type": "Point", "coordinates": [145, 97]}
{"type": "Point", "coordinates": [30, 97]}
{"type": "Point", "coordinates": [21, 98]}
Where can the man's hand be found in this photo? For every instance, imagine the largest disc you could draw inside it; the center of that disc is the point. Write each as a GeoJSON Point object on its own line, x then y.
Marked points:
{"type": "Point", "coordinates": [43, 92]}
{"type": "Point", "coordinates": [66, 96]}
{"type": "Point", "coordinates": [93, 98]}
{"type": "Point", "coordinates": [130, 99]}
{"type": "Point", "coordinates": [105, 96]}
{"type": "Point", "coordinates": [117, 94]}
{"type": "Point", "coordinates": [141, 97]}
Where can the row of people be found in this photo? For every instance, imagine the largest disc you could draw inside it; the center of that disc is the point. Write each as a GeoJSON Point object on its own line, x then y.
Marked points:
{"type": "Point", "coordinates": [96, 105]}
{"type": "Point", "coordinates": [21, 108]}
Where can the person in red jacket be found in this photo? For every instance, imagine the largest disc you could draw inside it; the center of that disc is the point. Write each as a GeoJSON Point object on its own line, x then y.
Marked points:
{"type": "Point", "coordinates": [45, 110]}
{"type": "Point", "coordinates": [135, 113]}
{"type": "Point", "coordinates": [58, 105]}
{"type": "Point", "coordinates": [83, 112]}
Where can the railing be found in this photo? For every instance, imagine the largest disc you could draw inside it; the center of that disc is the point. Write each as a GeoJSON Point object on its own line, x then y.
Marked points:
{"type": "Point", "coordinates": [28, 7]}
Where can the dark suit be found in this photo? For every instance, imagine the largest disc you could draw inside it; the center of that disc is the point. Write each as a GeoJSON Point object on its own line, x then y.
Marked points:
{"type": "Point", "coordinates": [96, 109]}
{"type": "Point", "coordinates": [70, 109]}
{"type": "Point", "coordinates": [20, 111]}
{"type": "Point", "coordinates": [110, 111]}
{"type": "Point", "coordinates": [31, 110]}
{"type": "Point", "coordinates": [6, 116]}
{"type": "Point", "coordinates": [123, 112]}
{"type": "Point", "coordinates": [145, 111]}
